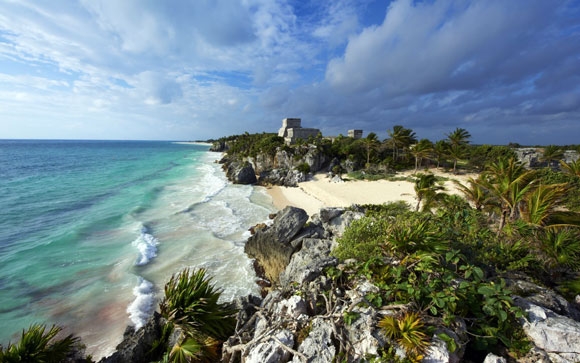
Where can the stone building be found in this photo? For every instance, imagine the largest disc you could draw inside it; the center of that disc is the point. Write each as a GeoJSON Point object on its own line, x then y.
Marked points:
{"type": "Point", "coordinates": [292, 130]}
{"type": "Point", "coordinates": [355, 134]}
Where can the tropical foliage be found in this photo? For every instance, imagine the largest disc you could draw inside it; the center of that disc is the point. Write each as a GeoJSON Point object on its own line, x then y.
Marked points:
{"type": "Point", "coordinates": [191, 303]}
{"type": "Point", "coordinates": [37, 344]}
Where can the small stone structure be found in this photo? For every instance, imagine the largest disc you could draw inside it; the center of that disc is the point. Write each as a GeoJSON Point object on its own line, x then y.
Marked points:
{"type": "Point", "coordinates": [355, 134]}
{"type": "Point", "coordinates": [292, 130]}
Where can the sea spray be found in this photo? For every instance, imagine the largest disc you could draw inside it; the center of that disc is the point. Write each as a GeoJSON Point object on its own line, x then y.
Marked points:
{"type": "Point", "coordinates": [146, 245]}
{"type": "Point", "coordinates": [142, 307]}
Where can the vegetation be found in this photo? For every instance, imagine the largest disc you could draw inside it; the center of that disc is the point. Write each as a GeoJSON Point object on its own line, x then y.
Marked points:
{"type": "Point", "coordinates": [191, 303]}
{"type": "Point", "coordinates": [39, 345]}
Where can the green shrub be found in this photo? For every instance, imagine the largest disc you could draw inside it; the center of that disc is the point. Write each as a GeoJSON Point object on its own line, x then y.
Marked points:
{"type": "Point", "coordinates": [38, 345]}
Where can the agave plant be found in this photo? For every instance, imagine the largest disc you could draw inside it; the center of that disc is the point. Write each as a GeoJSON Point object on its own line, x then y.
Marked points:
{"type": "Point", "coordinates": [38, 345]}
{"type": "Point", "coordinates": [408, 331]}
{"type": "Point", "coordinates": [191, 303]}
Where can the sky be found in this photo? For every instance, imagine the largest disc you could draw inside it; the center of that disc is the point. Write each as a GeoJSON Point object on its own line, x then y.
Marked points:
{"type": "Point", "coordinates": [504, 70]}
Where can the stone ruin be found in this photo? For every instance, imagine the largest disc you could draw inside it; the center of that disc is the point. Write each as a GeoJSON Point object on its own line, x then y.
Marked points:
{"type": "Point", "coordinates": [292, 130]}
{"type": "Point", "coordinates": [355, 134]}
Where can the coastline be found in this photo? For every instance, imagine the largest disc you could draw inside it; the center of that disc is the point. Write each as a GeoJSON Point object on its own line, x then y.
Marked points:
{"type": "Point", "coordinates": [319, 192]}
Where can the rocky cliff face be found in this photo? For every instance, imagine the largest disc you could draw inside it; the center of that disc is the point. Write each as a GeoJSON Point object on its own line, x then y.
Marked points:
{"type": "Point", "coordinates": [279, 169]}
{"type": "Point", "coordinates": [304, 317]}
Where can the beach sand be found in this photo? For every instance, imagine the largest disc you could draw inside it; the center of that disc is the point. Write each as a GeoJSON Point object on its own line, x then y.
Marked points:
{"type": "Point", "coordinates": [320, 192]}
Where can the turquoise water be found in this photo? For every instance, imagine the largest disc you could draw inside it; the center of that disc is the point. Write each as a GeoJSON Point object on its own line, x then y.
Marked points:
{"type": "Point", "coordinates": [91, 230]}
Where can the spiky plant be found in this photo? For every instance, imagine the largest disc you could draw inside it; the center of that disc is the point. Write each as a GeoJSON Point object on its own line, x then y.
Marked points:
{"type": "Point", "coordinates": [191, 303]}
{"type": "Point", "coordinates": [38, 345]}
{"type": "Point", "coordinates": [408, 331]}
{"type": "Point", "coordinates": [560, 248]}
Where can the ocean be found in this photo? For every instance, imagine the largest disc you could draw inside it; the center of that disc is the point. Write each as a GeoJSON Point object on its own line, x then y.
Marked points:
{"type": "Point", "coordinates": [90, 231]}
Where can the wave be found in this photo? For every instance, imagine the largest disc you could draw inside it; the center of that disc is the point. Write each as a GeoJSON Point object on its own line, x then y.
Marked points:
{"type": "Point", "coordinates": [142, 307]}
{"type": "Point", "coordinates": [146, 245]}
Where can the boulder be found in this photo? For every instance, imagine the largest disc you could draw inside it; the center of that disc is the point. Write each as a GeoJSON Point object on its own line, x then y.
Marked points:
{"type": "Point", "coordinates": [543, 297]}
{"type": "Point", "coordinates": [136, 345]}
{"type": "Point", "coordinates": [271, 350]}
{"type": "Point", "coordinates": [308, 263]}
{"type": "Point", "coordinates": [362, 333]}
{"type": "Point", "coordinates": [272, 247]}
{"type": "Point", "coordinates": [318, 346]}
{"type": "Point", "coordinates": [492, 358]}
{"type": "Point", "coordinates": [245, 175]}
{"type": "Point", "coordinates": [335, 220]}
{"type": "Point", "coordinates": [557, 335]}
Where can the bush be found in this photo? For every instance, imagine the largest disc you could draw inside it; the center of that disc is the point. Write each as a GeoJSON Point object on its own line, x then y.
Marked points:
{"type": "Point", "coordinates": [303, 168]}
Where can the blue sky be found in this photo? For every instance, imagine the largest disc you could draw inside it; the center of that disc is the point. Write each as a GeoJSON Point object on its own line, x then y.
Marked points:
{"type": "Point", "coordinates": [505, 70]}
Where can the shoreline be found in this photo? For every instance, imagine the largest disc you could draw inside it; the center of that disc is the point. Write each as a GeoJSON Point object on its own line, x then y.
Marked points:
{"type": "Point", "coordinates": [319, 192]}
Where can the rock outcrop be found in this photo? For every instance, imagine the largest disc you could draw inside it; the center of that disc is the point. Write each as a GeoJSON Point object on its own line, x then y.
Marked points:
{"type": "Point", "coordinates": [272, 247]}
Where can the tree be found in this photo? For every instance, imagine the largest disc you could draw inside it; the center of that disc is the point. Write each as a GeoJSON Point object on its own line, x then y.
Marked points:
{"type": "Point", "coordinates": [456, 153]}
{"type": "Point", "coordinates": [371, 142]}
{"type": "Point", "coordinates": [458, 140]}
{"type": "Point", "coordinates": [572, 167]}
{"type": "Point", "coordinates": [421, 150]}
{"type": "Point", "coordinates": [474, 193]}
{"type": "Point", "coordinates": [427, 191]}
{"type": "Point", "coordinates": [508, 182]}
{"type": "Point", "coordinates": [440, 149]}
{"type": "Point", "coordinates": [400, 139]}
{"type": "Point", "coordinates": [458, 137]}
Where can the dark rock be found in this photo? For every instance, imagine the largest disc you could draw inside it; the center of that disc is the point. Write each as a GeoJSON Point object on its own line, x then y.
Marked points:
{"type": "Point", "coordinates": [137, 344]}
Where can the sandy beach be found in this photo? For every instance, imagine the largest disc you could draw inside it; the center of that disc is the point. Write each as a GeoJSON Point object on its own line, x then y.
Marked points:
{"type": "Point", "coordinates": [320, 192]}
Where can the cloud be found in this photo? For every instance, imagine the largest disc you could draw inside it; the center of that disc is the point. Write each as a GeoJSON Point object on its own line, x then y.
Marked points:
{"type": "Point", "coordinates": [207, 68]}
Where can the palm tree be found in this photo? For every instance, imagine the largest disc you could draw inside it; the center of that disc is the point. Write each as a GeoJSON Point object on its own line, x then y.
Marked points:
{"type": "Point", "coordinates": [440, 150]}
{"type": "Point", "coordinates": [474, 193]}
{"type": "Point", "coordinates": [400, 138]}
{"type": "Point", "coordinates": [542, 202]}
{"type": "Point", "coordinates": [421, 150]}
{"type": "Point", "coordinates": [458, 137]}
{"type": "Point", "coordinates": [427, 191]}
{"type": "Point", "coordinates": [39, 345]}
{"type": "Point", "coordinates": [508, 182]}
{"type": "Point", "coordinates": [559, 249]}
{"type": "Point", "coordinates": [371, 142]}
{"type": "Point", "coordinates": [456, 153]}
{"type": "Point", "coordinates": [572, 167]}
{"type": "Point", "coordinates": [552, 153]}
{"type": "Point", "coordinates": [191, 304]}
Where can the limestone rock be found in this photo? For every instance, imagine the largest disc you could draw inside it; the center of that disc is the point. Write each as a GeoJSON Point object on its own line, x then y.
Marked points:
{"type": "Point", "coordinates": [271, 246]}
{"type": "Point", "coordinates": [361, 333]}
{"type": "Point", "coordinates": [557, 335]}
{"type": "Point", "coordinates": [308, 263]}
{"type": "Point", "coordinates": [544, 297]}
{"type": "Point", "coordinates": [271, 350]}
{"type": "Point", "coordinates": [318, 347]}
{"type": "Point", "coordinates": [492, 358]}
{"type": "Point", "coordinates": [240, 173]}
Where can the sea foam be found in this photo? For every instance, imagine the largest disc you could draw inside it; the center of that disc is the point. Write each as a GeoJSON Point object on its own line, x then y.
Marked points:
{"type": "Point", "coordinates": [146, 245]}
{"type": "Point", "coordinates": [142, 307]}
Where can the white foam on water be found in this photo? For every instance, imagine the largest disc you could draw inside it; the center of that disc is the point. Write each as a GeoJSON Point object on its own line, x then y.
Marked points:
{"type": "Point", "coordinates": [142, 307]}
{"type": "Point", "coordinates": [146, 245]}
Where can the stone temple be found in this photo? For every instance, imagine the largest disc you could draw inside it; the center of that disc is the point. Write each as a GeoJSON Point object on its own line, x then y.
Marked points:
{"type": "Point", "coordinates": [292, 130]}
